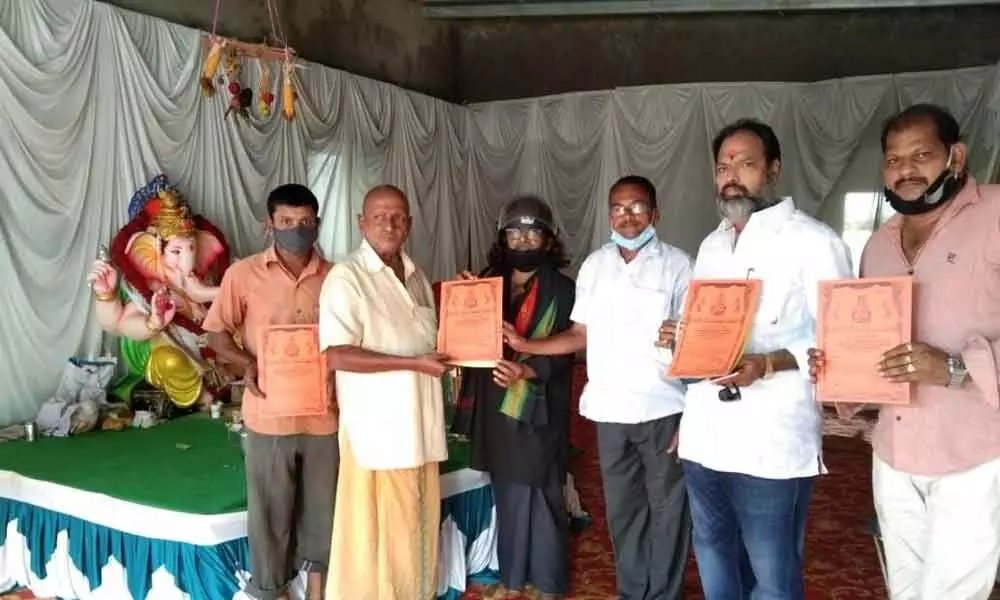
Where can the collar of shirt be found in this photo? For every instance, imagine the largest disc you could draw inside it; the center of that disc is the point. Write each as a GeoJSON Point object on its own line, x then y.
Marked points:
{"type": "Point", "coordinates": [312, 267]}
{"type": "Point", "coordinates": [374, 263]}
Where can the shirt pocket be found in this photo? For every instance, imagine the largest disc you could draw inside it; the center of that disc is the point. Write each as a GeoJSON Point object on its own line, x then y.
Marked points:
{"type": "Point", "coordinates": [782, 300]}
{"type": "Point", "coordinates": [424, 328]}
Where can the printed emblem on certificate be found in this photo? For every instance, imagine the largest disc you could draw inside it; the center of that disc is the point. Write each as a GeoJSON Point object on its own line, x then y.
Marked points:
{"type": "Point", "coordinates": [718, 316]}
{"type": "Point", "coordinates": [858, 321]}
{"type": "Point", "coordinates": [470, 330]}
{"type": "Point", "coordinates": [292, 373]}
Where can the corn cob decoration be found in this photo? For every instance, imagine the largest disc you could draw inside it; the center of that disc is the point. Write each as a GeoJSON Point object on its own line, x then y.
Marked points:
{"type": "Point", "coordinates": [288, 94]}
{"type": "Point", "coordinates": [264, 96]}
{"type": "Point", "coordinates": [212, 66]}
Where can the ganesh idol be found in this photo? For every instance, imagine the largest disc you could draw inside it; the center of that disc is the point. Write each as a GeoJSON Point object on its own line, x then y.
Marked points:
{"type": "Point", "coordinates": [154, 290]}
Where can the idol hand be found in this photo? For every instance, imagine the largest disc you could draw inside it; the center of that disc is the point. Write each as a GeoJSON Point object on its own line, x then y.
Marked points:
{"type": "Point", "coordinates": [103, 277]}
{"type": "Point", "coordinates": [467, 276]}
{"type": "Point", "coordinates": [162, 309]}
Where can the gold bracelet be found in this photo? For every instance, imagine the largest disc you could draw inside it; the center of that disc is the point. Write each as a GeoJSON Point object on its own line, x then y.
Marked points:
{"type": "Point", "coordinates": [105, 296]}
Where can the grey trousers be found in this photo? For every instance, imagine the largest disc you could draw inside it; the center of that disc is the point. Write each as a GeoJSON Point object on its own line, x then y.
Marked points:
{"type": "Point", "coordinates": [647, 508]}
{"type": "Point", "coordinates": [291, 491]}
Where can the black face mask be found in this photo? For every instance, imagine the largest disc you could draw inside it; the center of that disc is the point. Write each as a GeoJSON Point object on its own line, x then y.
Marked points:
{"type": "Point", "coordinates": [940, 192]}
{"type": "Point", "coordinates": [527, 260]}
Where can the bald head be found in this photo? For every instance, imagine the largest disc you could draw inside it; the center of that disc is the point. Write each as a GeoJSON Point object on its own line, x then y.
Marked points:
{"type": "Point", "coordinates": [385, 219]}
{"type": "Point", "coordinates": [384, 192]}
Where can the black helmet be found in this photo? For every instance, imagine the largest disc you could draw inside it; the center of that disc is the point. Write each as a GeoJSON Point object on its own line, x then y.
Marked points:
{"type": "Point", "coordinates": [527, 211]}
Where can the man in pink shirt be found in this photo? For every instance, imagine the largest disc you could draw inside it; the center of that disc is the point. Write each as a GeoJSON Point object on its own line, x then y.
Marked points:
{"type": "Point", "coordinates": [936, 469]}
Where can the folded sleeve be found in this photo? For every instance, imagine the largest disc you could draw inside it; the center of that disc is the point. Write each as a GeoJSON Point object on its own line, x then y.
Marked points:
{"type": "Point", "coordinates": [340, 310]}
{"type": "Point", "coordinates": [980, 356]}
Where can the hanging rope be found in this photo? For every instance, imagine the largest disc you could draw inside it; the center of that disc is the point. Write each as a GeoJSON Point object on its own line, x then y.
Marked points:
{"type": "Point", "coordinates": [215, 19]}
{"type": "Point", "coordinates": [276, 33]}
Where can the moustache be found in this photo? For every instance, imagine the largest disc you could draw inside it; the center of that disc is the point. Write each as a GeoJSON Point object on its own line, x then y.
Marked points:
{"type": "Point", "coordinates": [904, 181]}
{"type": "Point", "coordinates": [734, 187]}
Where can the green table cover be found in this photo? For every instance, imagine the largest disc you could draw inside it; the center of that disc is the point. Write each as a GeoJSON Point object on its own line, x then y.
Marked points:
{"type": "Point", "coordinates": [191, 464]}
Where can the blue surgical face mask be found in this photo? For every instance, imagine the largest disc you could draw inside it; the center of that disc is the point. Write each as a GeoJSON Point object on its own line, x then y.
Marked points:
{"type": "Point", "coordinates": [637, 242]}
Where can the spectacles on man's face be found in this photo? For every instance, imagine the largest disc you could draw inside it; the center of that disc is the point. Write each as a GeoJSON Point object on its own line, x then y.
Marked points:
{"type": "Point", "coordinates": [531, 235]}
{"type": "Point", "coordinates": [635, 209]}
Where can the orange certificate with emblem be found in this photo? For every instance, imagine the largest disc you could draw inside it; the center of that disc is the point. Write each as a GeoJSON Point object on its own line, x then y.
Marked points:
{"type": "Point", "coordinates": [858, 321]}
{"type": "Point", "coordinates": [718, 316]}
{"type": "Point", "coordinates": [292, 373]}
{"type": "Point", "coordinates": [470, 331]}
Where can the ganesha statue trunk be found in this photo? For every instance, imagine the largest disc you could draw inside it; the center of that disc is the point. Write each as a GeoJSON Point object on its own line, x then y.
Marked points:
{"type": "Point", "coordinates": [154, 290]}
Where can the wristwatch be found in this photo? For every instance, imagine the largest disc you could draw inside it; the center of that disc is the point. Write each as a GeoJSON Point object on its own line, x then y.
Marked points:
{"type": "Point", "coordinates": [957, 373]}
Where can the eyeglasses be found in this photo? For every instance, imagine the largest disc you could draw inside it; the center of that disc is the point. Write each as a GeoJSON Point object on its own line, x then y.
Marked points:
{"type": "Point", "coordinates": [532, 234]}
{"type": "Point", "coordinates": [635, 209]}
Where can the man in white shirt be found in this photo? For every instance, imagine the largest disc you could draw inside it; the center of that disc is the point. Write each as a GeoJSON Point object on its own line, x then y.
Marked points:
{"type": "Point", "coordinates": [751, 451]}
{"type": "Point", "coordinates": [378, 326]}
{"type": "Point", "coordinates": [624, 290]}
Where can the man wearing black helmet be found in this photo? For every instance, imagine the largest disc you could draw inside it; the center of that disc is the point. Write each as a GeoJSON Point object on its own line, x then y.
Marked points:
{"type": "Point", "coordinates": [631, 283]}
{"type": "Point", "coordinates": [518, 413]}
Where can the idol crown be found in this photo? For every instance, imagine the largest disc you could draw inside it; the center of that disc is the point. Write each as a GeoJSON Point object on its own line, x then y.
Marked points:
{"type": "Point", "coordinates": [172, 219]}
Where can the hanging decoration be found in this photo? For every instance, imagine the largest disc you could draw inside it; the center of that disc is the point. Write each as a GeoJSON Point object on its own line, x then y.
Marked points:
{"type": "Point", "coordinates": [230, 54]}
{"type": "Point", "coordinates": [288, 94]}
{"type": "Point", "coordinates": [265, 99]}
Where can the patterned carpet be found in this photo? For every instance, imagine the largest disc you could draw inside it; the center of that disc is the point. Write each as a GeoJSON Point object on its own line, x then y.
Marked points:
{"type": "Point", "coordinates": [841, 563]}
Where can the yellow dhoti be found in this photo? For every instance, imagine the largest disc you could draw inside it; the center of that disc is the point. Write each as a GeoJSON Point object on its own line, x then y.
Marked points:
{"type": "Point", "coordinates": [385, 532]}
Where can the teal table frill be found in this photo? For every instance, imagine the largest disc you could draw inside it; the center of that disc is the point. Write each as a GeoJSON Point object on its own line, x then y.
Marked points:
{"type": "Point", "coordinates": [187, 465]}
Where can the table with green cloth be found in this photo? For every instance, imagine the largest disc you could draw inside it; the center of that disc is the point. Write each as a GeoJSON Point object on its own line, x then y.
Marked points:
{"type": "Point", "coordinates": [122, 514]}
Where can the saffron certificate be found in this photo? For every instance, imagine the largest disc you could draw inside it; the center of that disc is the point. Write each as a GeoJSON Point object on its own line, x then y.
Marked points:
{"type": "Point", "coordinates": [292, 373]}
{"type": "Point", "coordinates": [470, 330]}
{"type": "Point", "coordinates": [716, 323]}
{"type": "Point", "coordinates": [858, 321]}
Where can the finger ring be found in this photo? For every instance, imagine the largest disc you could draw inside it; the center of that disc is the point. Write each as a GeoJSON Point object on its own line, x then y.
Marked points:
{"type": "Point", "coordinates": [910, 368]}
{"type": "Point", "coordinates": [909, 346]}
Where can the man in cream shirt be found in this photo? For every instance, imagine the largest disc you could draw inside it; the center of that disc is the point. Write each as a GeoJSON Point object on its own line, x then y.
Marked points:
{"type": "Point", "coordinates": [378, 327]}
{"type": "Point", "coordinates": [752, 451]}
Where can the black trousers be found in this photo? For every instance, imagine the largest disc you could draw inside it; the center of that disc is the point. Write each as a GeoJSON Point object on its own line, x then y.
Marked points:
{"type": "Point", "coordinates": [647, 508]}
{"type": "Point", "coordinates": [532, 535]}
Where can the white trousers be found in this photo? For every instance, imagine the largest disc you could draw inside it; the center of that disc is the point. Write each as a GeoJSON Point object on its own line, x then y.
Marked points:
{"type": "Point", "coordinates": [941, 534]}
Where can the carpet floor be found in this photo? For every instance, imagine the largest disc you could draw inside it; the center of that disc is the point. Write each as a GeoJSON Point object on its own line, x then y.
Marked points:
{"type": "Point", "coordinates": [841, 562]}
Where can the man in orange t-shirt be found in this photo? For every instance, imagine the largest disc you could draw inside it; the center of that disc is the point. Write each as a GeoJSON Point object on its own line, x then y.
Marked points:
{"type": "Point", "coordinates": [291, 462]}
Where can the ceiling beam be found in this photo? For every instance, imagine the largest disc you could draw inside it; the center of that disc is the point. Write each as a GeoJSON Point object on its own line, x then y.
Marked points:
{"type": "Point", "coordinates": [484, 9]}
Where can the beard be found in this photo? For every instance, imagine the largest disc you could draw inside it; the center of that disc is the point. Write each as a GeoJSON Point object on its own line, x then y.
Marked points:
{"type": "Point", "coordinates": [736, 204]}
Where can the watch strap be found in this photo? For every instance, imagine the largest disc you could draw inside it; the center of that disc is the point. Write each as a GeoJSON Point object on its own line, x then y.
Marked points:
{"type": "Point", "coordinates": [957, 372]}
